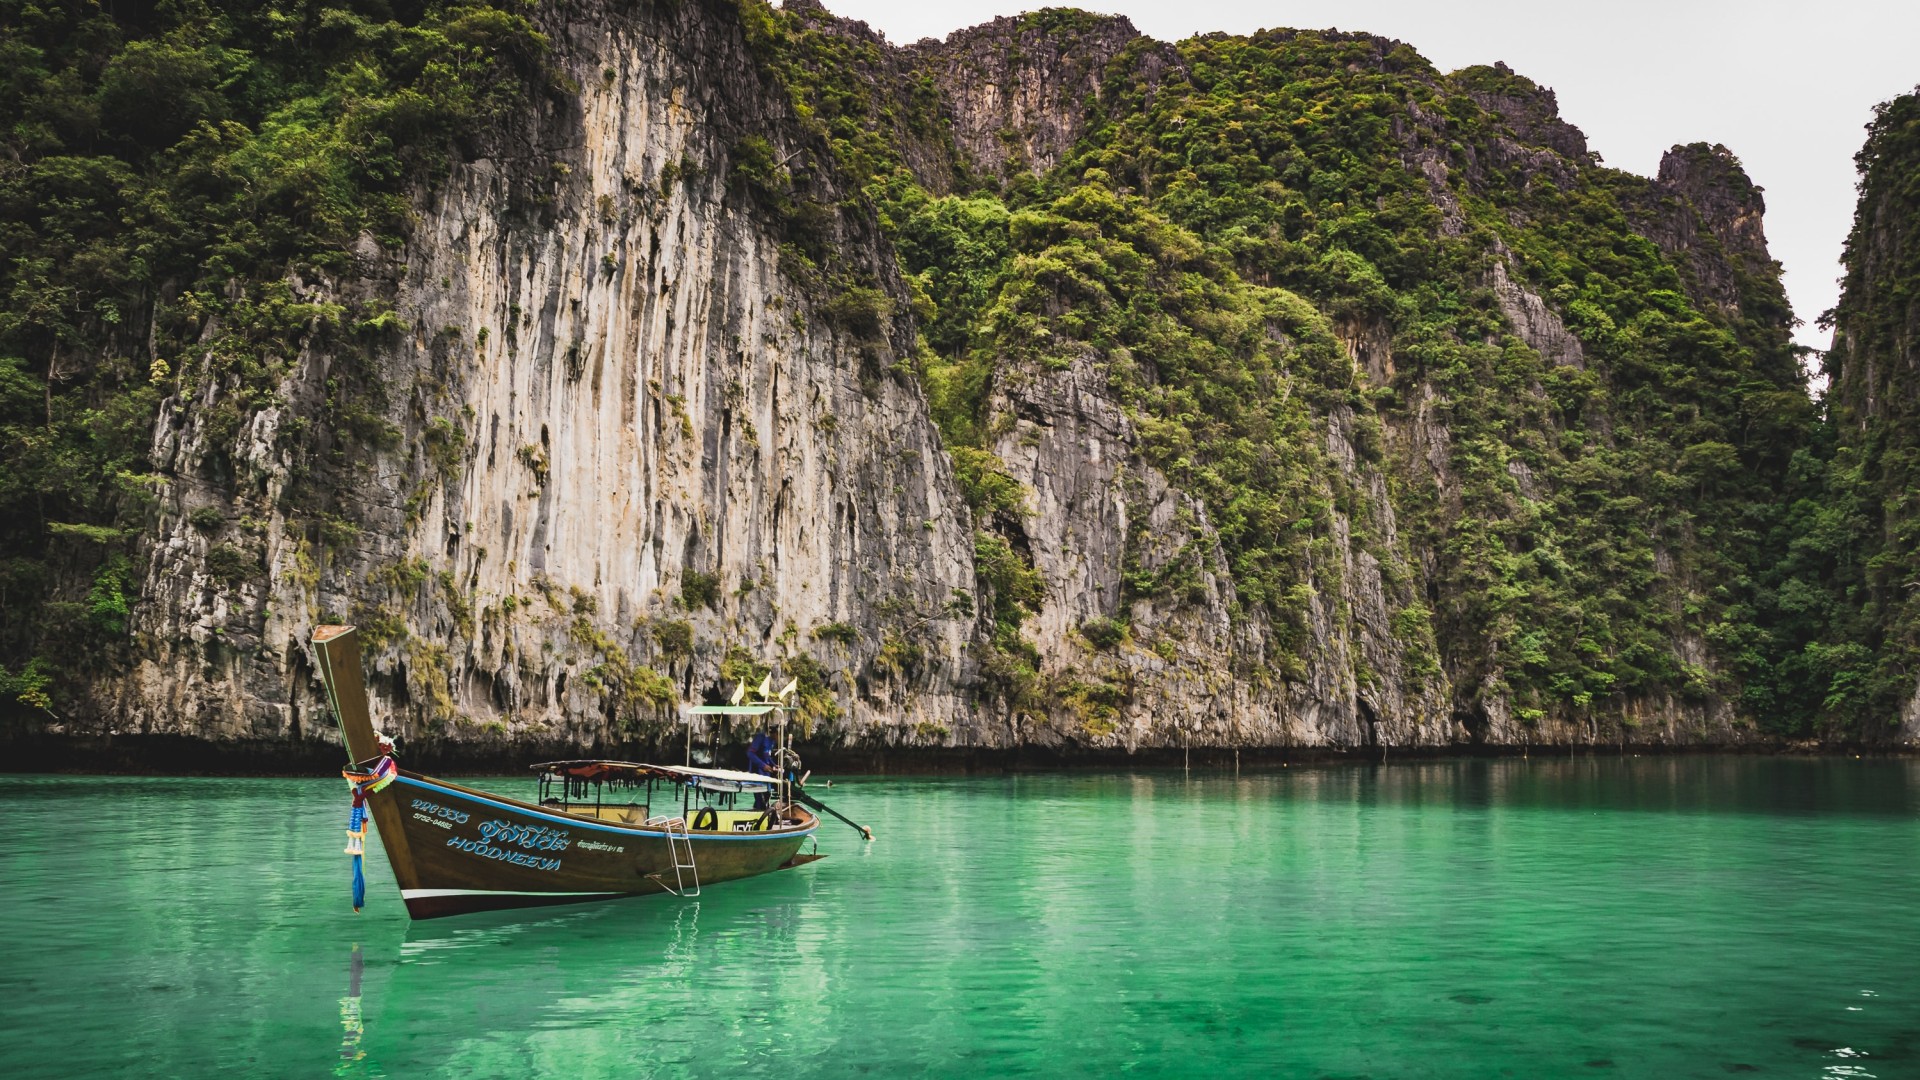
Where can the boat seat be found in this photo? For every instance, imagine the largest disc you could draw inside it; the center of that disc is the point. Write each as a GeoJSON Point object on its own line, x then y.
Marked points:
{"type": "Point", "coordinates": [761, 823]}
{"type": "Point", "coordinates": [704, 818]}
{"type": "Point", "coordinates": [634, 814]}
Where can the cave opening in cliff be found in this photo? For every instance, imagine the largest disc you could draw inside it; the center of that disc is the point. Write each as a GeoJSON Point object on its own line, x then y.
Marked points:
{"type": "Point", "coordinates": [1369, 722]}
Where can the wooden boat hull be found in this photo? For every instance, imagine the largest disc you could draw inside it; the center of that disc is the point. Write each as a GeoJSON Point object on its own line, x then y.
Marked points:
{"type": "Point", "coordinates": [455, 850]}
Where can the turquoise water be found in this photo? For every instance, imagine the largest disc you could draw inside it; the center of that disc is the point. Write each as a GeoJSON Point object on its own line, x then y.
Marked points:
{"type": "Point", "coordinates": [1646, 917]}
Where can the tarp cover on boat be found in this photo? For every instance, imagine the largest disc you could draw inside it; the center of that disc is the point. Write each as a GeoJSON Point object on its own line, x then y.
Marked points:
{"type": "Point", "coordinates": [705, 779]}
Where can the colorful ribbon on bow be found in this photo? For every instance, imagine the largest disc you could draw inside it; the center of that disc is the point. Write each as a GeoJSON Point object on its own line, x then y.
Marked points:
{"type": "Point", "coordinates": [364, 782]}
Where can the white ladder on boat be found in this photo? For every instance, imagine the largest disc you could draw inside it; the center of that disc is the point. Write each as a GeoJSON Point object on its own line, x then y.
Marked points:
{"type": "Point", "coordinates": [679, 843]}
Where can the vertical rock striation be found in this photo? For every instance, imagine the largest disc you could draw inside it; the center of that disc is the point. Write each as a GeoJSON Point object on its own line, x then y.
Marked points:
{"type": "Point", "coordinates": [620, 416]}
{"type": "Point", "coordinates": [641, 411]}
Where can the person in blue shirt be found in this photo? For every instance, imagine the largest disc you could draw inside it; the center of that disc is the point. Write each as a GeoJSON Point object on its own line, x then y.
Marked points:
{"type": "Point", "coordinates": [760, 760]}
{"type": "Point", "coordinates": [760, 755]}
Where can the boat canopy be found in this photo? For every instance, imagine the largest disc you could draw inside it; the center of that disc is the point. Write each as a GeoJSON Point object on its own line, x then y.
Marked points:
{"type": "Point", "coordinates": [704, 779]}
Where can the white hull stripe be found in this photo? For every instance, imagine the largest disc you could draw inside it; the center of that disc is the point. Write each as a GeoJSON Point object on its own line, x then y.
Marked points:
{"type": "Point", "coordinates": [421, 894]}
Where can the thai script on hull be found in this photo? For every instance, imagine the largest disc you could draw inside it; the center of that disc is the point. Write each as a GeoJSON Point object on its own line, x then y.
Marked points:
{"type": "Point", "coordinates": [532, 837]}
{"type": "Point", "coordinates": [488, 851]}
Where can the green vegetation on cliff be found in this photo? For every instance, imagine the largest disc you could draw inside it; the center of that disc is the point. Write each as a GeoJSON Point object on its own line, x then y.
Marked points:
{"type": "Point", "coordinates": [1861, 532]}
{"type": "Point", "coordinates": [1607, 528]}
{"type": "Point", "coordinates": [174, 175]}
{"type": "Point", "coordinates": [1566, 484]}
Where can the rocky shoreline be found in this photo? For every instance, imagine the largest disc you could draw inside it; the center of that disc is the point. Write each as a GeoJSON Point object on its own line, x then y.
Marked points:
{"type": "Point", "coordinates": [174, 755]}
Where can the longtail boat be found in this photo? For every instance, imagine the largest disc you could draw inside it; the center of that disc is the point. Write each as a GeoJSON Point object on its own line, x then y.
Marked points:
{"type": "Point", "coordinates": [600, 830]}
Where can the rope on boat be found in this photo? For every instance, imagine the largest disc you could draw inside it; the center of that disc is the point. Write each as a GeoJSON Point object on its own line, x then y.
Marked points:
{"type": "Point", "coordinates": [365, 782]}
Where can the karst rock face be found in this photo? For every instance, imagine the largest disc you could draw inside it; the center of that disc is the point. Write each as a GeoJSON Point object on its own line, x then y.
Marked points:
{"type": "Point", "coordinates": [1873, 373]}
{"type": "Point", "coordinates": [630, 442]}
{"type": "Point", "coordinates": [1019, 89]}
{"type": "Point", "coordinates": [611, 398]}
{"type": "Point", "coordinates": [1710, 219]}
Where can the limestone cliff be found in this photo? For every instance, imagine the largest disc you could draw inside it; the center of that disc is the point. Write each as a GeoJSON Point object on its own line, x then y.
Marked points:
{"type": "Point", "coordinates": [630, 443]}
{"type": "Point", "coordinates": [1873, 373]}
{"type": "Point", "coordinates": [1021, 90]}
{"type": "Point", "coordinates": [1318, 419]}
{"type": "Point", "coordinates": [1707, 215]}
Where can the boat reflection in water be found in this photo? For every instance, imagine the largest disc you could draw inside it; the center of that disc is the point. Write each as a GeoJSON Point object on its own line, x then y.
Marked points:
{"type": "Point", "coordinates": [714, 983]}
{"type": "Point", "coordinates": [600, 830]}
{"type": "Point", "coordinates": [351, 1022]}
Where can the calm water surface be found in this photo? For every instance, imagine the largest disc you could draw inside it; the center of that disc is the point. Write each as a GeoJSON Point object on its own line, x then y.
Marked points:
{"type": "Point", "coordinates": [1649, 917]}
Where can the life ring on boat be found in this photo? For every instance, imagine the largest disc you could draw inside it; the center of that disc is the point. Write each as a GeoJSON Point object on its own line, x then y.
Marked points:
{"type": "Point", "coordinates": [705, 819]}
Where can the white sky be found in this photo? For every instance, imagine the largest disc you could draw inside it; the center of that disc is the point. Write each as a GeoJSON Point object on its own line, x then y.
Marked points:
{"type": "Point", "coordinates": [1788, 87]}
